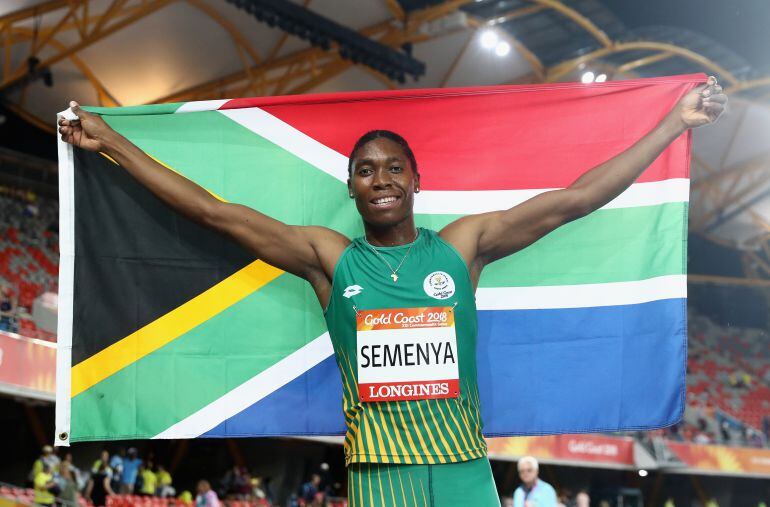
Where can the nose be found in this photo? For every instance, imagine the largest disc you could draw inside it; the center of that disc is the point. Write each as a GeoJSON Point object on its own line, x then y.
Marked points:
{"type": "Point", "coordinates": [381, 178]}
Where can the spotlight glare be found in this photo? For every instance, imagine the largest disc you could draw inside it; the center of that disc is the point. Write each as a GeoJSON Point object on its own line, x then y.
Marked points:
{"type": "Point", "coordinates": [642, 473]}
{"type": "Point", "coordinates": [502, 48]}
{"type": "Point", "coordinates": [489, 39]}
{"type": "Point", "coordinates": [601, 78]}
{"type": "Point", "coordinates": [588, 77]}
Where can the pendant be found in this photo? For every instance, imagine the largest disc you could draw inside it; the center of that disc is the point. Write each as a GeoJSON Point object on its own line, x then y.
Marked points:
{"type": "Point", "coordinates": [394, 277]}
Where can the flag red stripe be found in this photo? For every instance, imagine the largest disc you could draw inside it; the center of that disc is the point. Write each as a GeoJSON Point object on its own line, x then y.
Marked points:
{"type": "Point", "coordinates": [490, 138]}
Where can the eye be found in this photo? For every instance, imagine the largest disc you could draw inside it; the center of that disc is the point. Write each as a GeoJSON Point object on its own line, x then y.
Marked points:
{"type": "Point", "coordinates": [364, 171]}
{"type": "Point", "coordinates": [397, 169]}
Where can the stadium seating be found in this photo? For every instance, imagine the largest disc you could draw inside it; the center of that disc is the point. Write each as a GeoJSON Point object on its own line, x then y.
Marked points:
{"type": "Point", "coordinates": [29, 258]}
{"type": "Point", "coordinates": [729, 370]}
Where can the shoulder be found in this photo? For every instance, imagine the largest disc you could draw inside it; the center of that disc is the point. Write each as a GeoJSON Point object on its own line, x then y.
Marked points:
{"type": "Point", "coordinates": [546, 487]}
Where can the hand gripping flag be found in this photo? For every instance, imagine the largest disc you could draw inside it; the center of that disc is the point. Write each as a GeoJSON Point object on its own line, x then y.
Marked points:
{"type": "Point", "coordinates": [169, 330]}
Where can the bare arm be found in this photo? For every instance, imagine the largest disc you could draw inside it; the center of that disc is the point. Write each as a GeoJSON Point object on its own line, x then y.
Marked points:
{"type": "Point", "coordinates": [308, 252]}
{"type": "Point", "coordinates": [107, 486]}
{"type": "Point", "coordinates": [486, 237]}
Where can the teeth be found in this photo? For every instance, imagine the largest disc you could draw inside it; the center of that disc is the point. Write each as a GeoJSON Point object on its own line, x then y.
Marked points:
{"type": "Point", "coordinates": [384, 200]}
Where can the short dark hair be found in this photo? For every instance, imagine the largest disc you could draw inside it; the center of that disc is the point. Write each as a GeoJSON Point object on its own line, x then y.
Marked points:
{"type": "Point", "coordinates": [377, 134]}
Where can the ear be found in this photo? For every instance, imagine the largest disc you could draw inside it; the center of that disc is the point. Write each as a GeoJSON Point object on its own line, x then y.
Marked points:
{"type": "Point", "coordinates": [416, 183]}
{"type": "Point", "coordinates": [350, 189]}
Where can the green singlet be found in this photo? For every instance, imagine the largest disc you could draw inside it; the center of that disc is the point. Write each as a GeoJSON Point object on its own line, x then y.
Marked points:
{"type": "Point", "coordinates": [406, 351]}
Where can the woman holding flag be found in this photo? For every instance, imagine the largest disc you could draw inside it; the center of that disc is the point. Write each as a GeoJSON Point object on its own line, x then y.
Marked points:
{"type": "Point", "coordinates": [399, 302]}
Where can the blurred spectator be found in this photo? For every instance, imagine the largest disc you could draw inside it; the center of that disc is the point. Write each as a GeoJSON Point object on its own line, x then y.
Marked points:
{"type": "Point", "coordinates": [165, 489]}
{"type": "Point", "coordinates": [7, 309]}
{"type": "Point", "coordinates": [582, 499]}
{"type": "Point", "coordinates": [754, 439]}
{"type": "Point", "coordinates": [102, 463]}
{"type": "Point", "coordinates": [116, 464]}
{"type": "Point", "coordinates": [185, 497]}
{"type": "Point", "coordinates": [148, 480]}
{"type": "Point", "coordinates": [702, 438]}
{"type": "Point", "coordinates": [45, 487]}
{"type": "Point", "coordinates": [99, 488]}
{"type": "Point", "coordinates": [257, 490]}
{"type": "Point", "coordinates": [206, 496]}
{"type": "Point", "coordinates": [533, 490]}
{"type": "Point", "coordinates": [131, 466]}
{"type": "Point", "coordinates": [724, 429]}
{"type": "Point", "coordinates": [232, 483]}
{"type": "Point", "coordinates": [81, 479]}
{"type": "Point", "coordinates": [309, 489]}
{"type": "Point", "coordinates": [319, 500]}
{"type": "Point", "coordinates": [48, 457]}
{"type": "Point", "coordinates": [68, 485]}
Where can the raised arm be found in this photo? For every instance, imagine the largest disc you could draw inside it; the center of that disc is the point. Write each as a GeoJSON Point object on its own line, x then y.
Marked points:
{"type": "Point", "coordinates": [308, 252]}
{"type": "Point", "coordinates": [486, 237]}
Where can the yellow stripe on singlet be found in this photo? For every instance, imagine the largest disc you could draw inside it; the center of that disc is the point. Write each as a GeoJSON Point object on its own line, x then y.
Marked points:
{"type": "Point", "coordinates": [433, 443]}
{"type": "Point", "coordinates": [391, 440]}
{"type": "Point", "coordinates": [457, 424]}
{"type": "Point", "coordinates": [413, 451]}
{"type": "Point", "coordinates": [446, 424]}
{"type": "Point", "coordinates": [415, 426]}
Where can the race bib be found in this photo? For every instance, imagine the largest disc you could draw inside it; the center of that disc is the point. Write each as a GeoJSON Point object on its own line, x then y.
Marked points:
{"type": "Point", "coordinates": [407, 354]}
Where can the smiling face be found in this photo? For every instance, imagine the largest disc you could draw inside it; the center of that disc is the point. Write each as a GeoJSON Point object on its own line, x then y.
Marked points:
{"type": "Point", "coordinates": [383, 183]}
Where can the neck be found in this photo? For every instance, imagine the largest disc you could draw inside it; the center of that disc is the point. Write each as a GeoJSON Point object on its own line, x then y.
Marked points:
{"type": "Point", "coordinates": [393, 235]}
{"type": "Point", "coordinates": [530, 485]}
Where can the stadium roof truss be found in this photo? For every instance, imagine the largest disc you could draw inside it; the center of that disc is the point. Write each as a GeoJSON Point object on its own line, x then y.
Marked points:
{"type": "Point", "coordinates": [556, 38]}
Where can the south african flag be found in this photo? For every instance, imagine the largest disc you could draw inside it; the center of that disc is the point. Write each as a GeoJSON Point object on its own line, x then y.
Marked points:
{"type": "Point", "coordinates": [169, 330]}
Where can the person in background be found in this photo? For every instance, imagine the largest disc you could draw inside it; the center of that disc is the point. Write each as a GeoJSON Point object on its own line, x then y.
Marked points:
{"type": "Point", "coordinates": [45, 486]}
{"type": "Point", "coordinates": [533, 492]}
{"type": "Point", "coordinates": [104, 459]}
{"type": "Point", "coordinates": [116, 464]}
{"type": "Point", "coordinates": [131, 465]}
{"type": "Point", "coordinates": [582, 499]}
{"type": "Point", "coordinates": [7, 309]}
{"type": "Point", "coordinates": [99, 488]}
{"type": "Point", "coordinates": [185, 497]}
{"type": "Point", "coordinates": [81, 479]}
{"type": "Point", "coordinates": [309, 489]}
{"type": "Point", "coordinates": [165, 489]}
{"type": "Point", "coordinates": [206, 496]}
{"type": "Point", "coordinates": [47, 457]}
{"type": "Point", "coordinates": [68, 485]}
{"type": "Point", "coordinates": [148, 479]}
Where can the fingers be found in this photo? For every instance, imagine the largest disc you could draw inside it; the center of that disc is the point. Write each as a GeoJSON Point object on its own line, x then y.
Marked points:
{"type": "Point", "coordinates": [720, 98]}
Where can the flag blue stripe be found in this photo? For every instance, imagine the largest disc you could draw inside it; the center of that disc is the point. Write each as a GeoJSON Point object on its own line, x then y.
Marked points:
{"type": "Point", "coordinates": [616, 368]}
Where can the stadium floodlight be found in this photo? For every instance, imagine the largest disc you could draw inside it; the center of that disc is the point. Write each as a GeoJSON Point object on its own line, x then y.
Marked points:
{"type": "Point", "coordinates": [322, 32]}
{"type": "Point", "coordinates": [588, 77]}
{"type": "Point", "coordinates": [642, 473]}
{"type": "Point", "coordinates": [502, 49]}
{"type": "Point", "coordinates": [489, 39]}
{"type": "Point", "coordinates": [601, 78]}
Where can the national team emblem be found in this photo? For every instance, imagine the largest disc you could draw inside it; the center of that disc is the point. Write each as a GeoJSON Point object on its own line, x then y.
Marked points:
{"type": "Point", "coordinates": [352, 290]}
{"type": "Point", "coordinates": [439, 285]}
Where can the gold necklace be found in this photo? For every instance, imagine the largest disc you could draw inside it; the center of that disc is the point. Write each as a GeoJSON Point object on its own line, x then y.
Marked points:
{"type": "Point", "coordinates": [394, 272]}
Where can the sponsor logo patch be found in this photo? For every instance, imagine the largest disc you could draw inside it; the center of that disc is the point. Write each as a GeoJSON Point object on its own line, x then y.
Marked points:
{"type": "Point", "coordinates": [353, 290]}
{"type": "Point", "coordinates": [439, 285]}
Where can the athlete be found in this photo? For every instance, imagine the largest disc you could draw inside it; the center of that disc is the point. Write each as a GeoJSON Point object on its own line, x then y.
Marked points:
{"type": "Point", "coordinates": [399, 302]}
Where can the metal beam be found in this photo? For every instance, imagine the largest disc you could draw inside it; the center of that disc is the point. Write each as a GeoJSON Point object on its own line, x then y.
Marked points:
{"type": "Point", "coordinates": [727, 280]}
{"type": "Point", "coordinates": [89, 37]}
{"type": "Point", "coordinates": [559, 71]}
